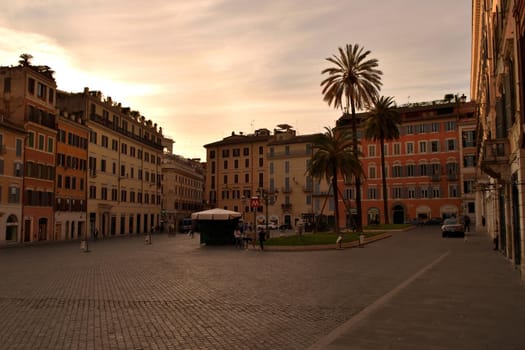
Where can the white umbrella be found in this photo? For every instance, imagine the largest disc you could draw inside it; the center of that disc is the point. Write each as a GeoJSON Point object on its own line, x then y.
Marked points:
{"type": "Point", "coordinates": [215, 214]}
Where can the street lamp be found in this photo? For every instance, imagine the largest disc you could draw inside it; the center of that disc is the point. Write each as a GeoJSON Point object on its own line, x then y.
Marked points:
{"type": "Point", "coordinates": [266, 196]}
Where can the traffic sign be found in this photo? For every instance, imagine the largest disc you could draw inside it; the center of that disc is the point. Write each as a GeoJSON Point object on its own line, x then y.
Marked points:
{"type": "Point", "coordinates": [254, 202]}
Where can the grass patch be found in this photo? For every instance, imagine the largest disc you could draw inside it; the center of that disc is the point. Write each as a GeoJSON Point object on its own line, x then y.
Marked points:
{"type": "Point", "coordinates": [315, 238]}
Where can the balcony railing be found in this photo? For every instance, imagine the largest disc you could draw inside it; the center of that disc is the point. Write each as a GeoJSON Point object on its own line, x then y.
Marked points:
{"type": "Point", "coordinates": [495, 157]}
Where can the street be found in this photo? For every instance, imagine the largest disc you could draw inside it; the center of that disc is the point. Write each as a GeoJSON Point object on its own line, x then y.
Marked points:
{"type": "Point", "coordinates": [411, 291]}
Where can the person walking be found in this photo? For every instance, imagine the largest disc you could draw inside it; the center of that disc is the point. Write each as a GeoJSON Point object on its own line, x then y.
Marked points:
{"type": "Point", "coordinates": [467, 223]}
{"type": "Point", "coordinates": [262, 238]}
{"type": "Point", "coordinates": [238, 238]}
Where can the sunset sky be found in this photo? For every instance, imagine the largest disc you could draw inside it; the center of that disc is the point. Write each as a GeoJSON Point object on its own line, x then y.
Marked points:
{"type": "Point", "coordinates": [201, 69]}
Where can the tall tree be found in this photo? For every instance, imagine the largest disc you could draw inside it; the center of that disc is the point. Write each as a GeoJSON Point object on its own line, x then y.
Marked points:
{"type": "Point", "coordinates": [382, 123]}
{"type": "Point", "coordinates": [333, 155]}
{"type": "Point", "coordinates": [352, 83]}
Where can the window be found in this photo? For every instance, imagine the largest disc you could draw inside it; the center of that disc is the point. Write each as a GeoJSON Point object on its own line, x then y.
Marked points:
{"type": "Point", "coordinates": [372, 172]}
{"type": "Point", "coordinates": [103, 165]}
{"type": "Point", "coordinates": [287, 167]}
{"type": "Point", "coordinates": [410, 129]}
{"type": "Point", "coordinates": [411, 170]}
{"type": "Point", "coordinates": [411, 192]}
{"type": "Point", "coordinates": [236, 164]}
{"type": "Point", "coordinates": [41, 90]}
{"type": "Point", "coordinates": [50, 144]}
{"type": "Point", "coordinates": [371, 150]}
{"type": "Point", "coordinates": [423, 193]}
{"type": "Point", "coordinates": [434, 146]}
{"type": "Point", "coordinates": [397, 171]}
{"type": "Point", "coordinates": [18, 148]}
{"type": "Point", "coordinates": [410, 147]}
{"type": "Point", "coordinates": [453, 190]}
{"type": "Point", "coordinates": [450, 125]}
{"type": "Point", "coordinates": [423, 170]}
{"type": "Point", "coordinates": [212, 154]}
{"type": "Point", "coordinates": [114, 194]}
{"type": "Point", "coordinates": [41, 142]}
{"type": "Point", "coordinates": [31, 86]}
{"type": "Point", "coordinates": [246, 151]}
{"type": "Point", "coordinates": [225, 153]}
{"type": "Point", "coordinates": [435, 127]}
{"type": "Point", "coordinates": [469, 160]}
{"type": "Point", "coordinates": [114, 145]}
{"type": "Point", "coordinates": [104, 141]}
{"type": "Point", "coordinates": [225, 164]}
{"type": "Point", "coordinates": [104, 193]}
{"type": "Point", "coordinates": [92, 192]}
{"type": "Point", "coordinates": [31, 139]}
{"type": "Point", "coordinates": [451, 145]}
{"type": "Point", "coordinates": [14, 195]}
{"type": "Point", "coordinates": [397, 148]}
{"type": "Point", "coordinates": [261, 162]}
{"type": "Point", "coordinates": [468, 186]}
{"type": "Point", "coordinates": [261, 150]}
{"type": "Point", "coordinates": [7, 84]}
{"type": "Point", "coordinates": [422, 147]}
{"type": "Point", "coordinates": [436, 192]}
{"type": "Point", "coordinates": [18, 169]}
{"type": "Point", "coordinates": [372, 193]}
{"type": "Point", "coordinates": [271, 168]}
{"type": "Point", "coordinates": [92, 137]}
{"type": "Point", "coordinates": [398, 192]}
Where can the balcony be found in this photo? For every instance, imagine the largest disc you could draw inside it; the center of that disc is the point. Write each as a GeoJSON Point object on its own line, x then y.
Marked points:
{"type": "Point", "coordinates": [286, 206]}
{"type": "Point", "coordinates": [495, 159]}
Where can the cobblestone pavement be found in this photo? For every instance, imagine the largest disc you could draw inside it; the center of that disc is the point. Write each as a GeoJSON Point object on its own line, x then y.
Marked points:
{"type": "Point", "coordinates": [175, 294]}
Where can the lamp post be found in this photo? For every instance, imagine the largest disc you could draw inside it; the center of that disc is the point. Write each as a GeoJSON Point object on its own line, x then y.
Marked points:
{"type": "Point", "coordinates": [265, 195]}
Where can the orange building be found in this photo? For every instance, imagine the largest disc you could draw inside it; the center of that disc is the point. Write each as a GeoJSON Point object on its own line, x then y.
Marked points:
{"type": "Point", "coordinates": [29, 101]}
{"type": "Point", "coordinates": [71, 173]}
{"type": "Point", "coordinates": [424, 167]}
{"type": "Point", "coordinates": [11, 177]}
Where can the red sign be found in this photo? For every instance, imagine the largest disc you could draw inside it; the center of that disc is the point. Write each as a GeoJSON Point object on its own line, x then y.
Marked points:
{"type": "Point", "coordinates": [254, 202]}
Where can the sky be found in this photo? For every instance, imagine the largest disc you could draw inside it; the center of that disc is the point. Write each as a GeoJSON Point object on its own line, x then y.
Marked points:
{"type": "Point", "coordinates": [202, 69]}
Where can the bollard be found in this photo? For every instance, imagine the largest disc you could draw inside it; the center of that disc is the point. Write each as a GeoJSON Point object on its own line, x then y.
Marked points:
{"type": "Point", "coordinates": [84, 246]}
{"type": "Point", "coordinates": [361, 240]}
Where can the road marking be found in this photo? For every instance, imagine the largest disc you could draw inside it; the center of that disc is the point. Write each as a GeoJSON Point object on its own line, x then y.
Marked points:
{"type": "Point", "coordinates": [347, 326]}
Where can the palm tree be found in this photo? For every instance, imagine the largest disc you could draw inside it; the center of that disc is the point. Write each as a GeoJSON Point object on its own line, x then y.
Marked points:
{"type": "Point", "coordinates": [333, 155]}
{"type": "Point", "coordinates": [353, 82]}
{"type": "Point", "coordinates": [382, 123]}
{"type": "Point", "coordinates": [25, 59]}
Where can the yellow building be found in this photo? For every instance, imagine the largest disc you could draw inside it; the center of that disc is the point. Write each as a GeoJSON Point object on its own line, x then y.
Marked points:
{"type": "Point", "coordinates": [11, 180]}
{"type": "Point", "coordinates": [300, 198]}
{"type": "Point", "coordinates": [496, 84]}
{"type": "Point", "coordinates": [182, 187]}
{"type": "Point", "coordinates": [236, 170]}
{"type": "Point", "coordinates": [124, 165]}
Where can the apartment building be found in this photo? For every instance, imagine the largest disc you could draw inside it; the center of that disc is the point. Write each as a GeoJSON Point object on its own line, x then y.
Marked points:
{"type": "Point", "coordinates": [71, 177]}
{"type": "Point", "coordinates": [497, 75]}
{"type": "Point", "coordinates": [28, 100]}
{"type": "Point", "coordinates": [300, 198]}
{"type": "Point", "coordinates": [236, 171]}
{"type": "Point", "coordinates": [124, 165]}
{"type": "Point", "coordinates": [182, 186]}
{"type": "Point", "coordinates": [12, 139]}
{"type": "Point", "coordinates": [429, 171]}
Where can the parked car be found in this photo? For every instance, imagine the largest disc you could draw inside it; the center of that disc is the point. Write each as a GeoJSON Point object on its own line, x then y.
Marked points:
{"type": "Point", "coordinates": [453, 227]}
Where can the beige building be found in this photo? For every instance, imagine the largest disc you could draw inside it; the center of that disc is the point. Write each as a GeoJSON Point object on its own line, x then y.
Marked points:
{"type": "Point", "coordinates": [236, 170]}
{"type": "Point", "coordinates": [11, 181]}
{"type": "Point", "coordinates": [182, 187]}
{"type": "Point", "coordinates": [497, 71]}
{"type": "Point", "coordinates": [300, 198]}
{"type": "Point", "coordinates": [124, 165]}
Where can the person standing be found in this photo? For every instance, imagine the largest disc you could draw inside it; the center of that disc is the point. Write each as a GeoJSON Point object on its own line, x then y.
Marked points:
{"type": "Point", "coordinates": [262, 238]}
{"type": "Point", "coordinates": [467, 223]}
{"type": "Point", "coordinates": [238, 238]}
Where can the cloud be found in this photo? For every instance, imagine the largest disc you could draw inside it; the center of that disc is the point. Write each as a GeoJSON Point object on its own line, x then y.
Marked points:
{"type": "Point", "coordinates": [204, 68]}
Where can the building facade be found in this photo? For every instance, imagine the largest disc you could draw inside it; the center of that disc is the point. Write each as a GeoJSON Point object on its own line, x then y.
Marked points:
{"type": "Point", "coordinates": [29, 101]}
{"type": "Point", "coordinates": [429, 169]}
{"type": "Point", "coordinates": [182, 187]}
{"type": "Point", "coordinates": [124, 165]}
{"type": "Point", "coordinates": [71, 177]}
{"type": "Point", "coordinates": [497, 73]}
{"type": "Point", "coordinates": [236, 171]}
{"type": "Point", "coordinates": [11, 180]}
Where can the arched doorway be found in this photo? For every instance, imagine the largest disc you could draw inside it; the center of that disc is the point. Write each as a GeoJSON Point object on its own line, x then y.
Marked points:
{"type": "Point", "coordinates": [11, 232]}
{"type": "Point", "coordinates": [373, 216]}
{"type": "Point", "coordinates": [398, 214]}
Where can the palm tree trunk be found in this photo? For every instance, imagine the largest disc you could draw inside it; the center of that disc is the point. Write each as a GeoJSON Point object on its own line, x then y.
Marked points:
{"type": "Point", "coordinates": [359, 223]}
{"type": "Point", "coordinates": [336, 199]}
{"type": "Point", "coordinates": [383, 175]}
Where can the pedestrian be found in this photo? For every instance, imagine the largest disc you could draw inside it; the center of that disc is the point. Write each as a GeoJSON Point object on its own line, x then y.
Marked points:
{"type": "Point", "coordinates": [262, 238]}
{"type": "Point", "coordinates": [238, 238]}
{"type": "Point", "coordinates": [466, 223]}
{"type": "Point", "coordinates": [96, 234]}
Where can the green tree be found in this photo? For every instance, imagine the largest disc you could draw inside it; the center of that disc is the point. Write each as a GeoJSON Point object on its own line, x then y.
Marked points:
{"type": "Point", "coordinates": [382, 123]}
{"type": "Point", "coordinates": [352, 83]}
{"type": "Point", "coordinates": [333, 155]}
